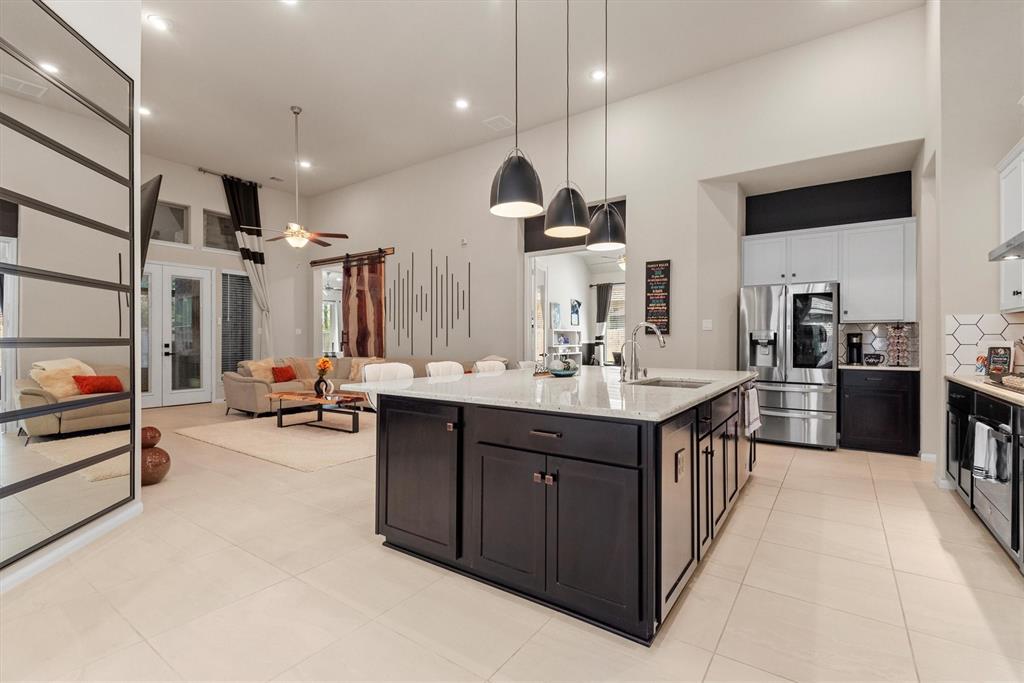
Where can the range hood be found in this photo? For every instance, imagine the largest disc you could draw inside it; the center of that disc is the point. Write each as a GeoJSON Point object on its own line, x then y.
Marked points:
{"type": "Point", "coordinates": [1009, 250]}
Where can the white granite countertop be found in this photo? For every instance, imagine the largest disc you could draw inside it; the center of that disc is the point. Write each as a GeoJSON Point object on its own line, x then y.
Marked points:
{"type": "Point", "coordinates": [594, 391]}
{"type": "Point", "coordinates": [977, 382]}
{"type": "Point", "coordinates": [899, 368]}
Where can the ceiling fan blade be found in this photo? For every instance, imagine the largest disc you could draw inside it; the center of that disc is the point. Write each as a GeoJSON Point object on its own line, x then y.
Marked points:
{"type": "Point", "coordinates": [274, 239]}
{"type": "Point", "coordinates": [320, 242]}
{"type": "Point", "coordinates": [337, 235]}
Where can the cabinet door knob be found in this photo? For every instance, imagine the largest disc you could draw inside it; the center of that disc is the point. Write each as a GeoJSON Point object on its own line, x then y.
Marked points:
{"type": "Point", "coordinates": [782, 275]}
{"type": "Point", "coordinates": [794, 274]}
{"type": "Point", "coordinates": [449, 426]}
{"type": "Point", "coordinates": [549, 480]}
{"type": "Point", "coordinates": [1016, 292]}
{"type": "Point", "coordinates": [846, 312]}
{"type": "Point", "coordinates": [538, 477]}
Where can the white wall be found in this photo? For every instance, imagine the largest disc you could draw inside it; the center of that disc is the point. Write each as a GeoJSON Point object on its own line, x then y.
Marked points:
{"type": "Point", "coordinates": [187, 186]}
{"type": "Point", "coordinates": [855, 89]}
{"type": "Point", "coordinates": [569, 278]}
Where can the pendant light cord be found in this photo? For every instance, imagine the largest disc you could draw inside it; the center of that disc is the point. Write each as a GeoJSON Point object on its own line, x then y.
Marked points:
{"type": "Point", "coordinates": [516, 70]}
{"type": "Point", "coordinates": [606, 105]}
{"type": "Point", "coordinates": [567, 93]}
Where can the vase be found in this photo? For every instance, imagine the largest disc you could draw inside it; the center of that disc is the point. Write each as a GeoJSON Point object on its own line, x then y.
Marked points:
{"type": "Point", "coordinates": [320, 386]}
{"type": "Point", "coordinates": [330, 388]}
{"type": "Point", "coordinates": [155, 464]}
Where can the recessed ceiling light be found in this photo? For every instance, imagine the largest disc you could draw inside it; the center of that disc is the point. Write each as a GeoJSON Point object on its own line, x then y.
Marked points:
{"type": "Point", "coordinates": [462, 103]}
{"type": "Point", "coordinates": [158, 22]}
{"type": "Point", "coordinates": [290, 2]}
{"type": "Point", "coordinates": [597, 75]}
{"type": "Point", "coordinates": [49, 68]}
{"type": "Point", "coordinates": [144, 111]}
{"type": "Point", "coordinates": [305, 164]}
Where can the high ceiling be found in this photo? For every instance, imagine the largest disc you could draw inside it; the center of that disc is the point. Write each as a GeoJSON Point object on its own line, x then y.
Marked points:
{"type": "Point", "coordinates": [377, 79]}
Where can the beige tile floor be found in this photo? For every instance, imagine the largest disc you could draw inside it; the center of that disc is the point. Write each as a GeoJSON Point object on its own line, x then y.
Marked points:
{"type": "Point", "coordinates": [834, 566]}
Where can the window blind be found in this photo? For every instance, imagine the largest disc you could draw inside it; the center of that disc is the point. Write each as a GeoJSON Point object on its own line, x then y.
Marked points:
{"type": "Point", "coordinates": [615, 330]}
{"type": "Point", "coordinates": [236, 321]}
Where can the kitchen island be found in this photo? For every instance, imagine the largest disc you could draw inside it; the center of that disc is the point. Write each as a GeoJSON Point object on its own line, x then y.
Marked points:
{"type": "Point", "coordinates": [593, 496]}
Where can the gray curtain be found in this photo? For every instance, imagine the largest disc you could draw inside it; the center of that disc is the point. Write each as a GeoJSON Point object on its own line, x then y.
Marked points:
{"type": "Point", "coordinates": [604, 301]}
{"type": "Point", "coordinates": [244, 205]}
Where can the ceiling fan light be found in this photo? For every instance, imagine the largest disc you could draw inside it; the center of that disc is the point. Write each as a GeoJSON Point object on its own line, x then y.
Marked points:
{"type": "Point", "coordinates": [607, 230]}
{"type": "Point", "coordinates": [297, 241]}
{"type": "Point", "coordinates": [567, 215]}
{"type": "Point", "coordinates": [516, 190]}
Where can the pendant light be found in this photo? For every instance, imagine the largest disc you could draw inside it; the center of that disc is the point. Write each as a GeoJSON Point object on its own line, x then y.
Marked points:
{"type": "Point", "coordinates": [516, 191]}
{"type": "Point", "coordinates": [607, 229]}
{"type": "Point", "coordinates": [567, 213]}
{"type": "Point", "coordinates": [294, 233]}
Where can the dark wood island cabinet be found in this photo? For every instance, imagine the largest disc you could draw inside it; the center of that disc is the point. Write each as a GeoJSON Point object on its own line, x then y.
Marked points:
{"type": "Point", "coordinates": [598, 517]}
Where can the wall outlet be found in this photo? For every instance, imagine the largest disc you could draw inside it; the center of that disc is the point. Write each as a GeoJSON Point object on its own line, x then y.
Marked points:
{"type": "Point", "coordinates": [706, 325]}
{"type": "Point", "coordinates": [298, 331]}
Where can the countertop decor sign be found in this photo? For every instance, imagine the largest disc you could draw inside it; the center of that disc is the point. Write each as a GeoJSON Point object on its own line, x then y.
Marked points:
{"type": "Point", "coordinates": [970, 335]}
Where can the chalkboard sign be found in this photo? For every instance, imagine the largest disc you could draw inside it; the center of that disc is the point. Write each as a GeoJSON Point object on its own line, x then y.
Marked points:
{"type": "Point", "coordinates": [1000, 358]}
{"type": "Point", "coordinates": [657, 280]}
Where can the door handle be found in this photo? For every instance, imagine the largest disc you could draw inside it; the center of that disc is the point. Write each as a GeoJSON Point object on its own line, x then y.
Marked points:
{"type": "Point", "coordinates": [545, 434]}
{"type": "Point", "coordinates": [168, 353]}
{"type": "Point", "coordinates": [678, 466]}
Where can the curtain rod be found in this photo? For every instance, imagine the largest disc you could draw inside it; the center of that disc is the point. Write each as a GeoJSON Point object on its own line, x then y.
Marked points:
{"type": "Point", "coordinates": [330, 260]}
{"type": "Point", "coordinates": [218, 173]}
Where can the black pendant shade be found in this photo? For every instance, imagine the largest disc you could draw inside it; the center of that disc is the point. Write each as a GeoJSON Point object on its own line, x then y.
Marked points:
{"type": "Point", "coordinates": [516, 191]}
{"type": "Point", "coordinates": [567, 214]}
{"type": "Point", "coordinates": [607, 230]}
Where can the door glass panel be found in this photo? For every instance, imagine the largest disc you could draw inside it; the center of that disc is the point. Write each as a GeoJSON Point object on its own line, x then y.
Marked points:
{"type": "Point", "coordinates": [812, 331]}
{"type": "Point", "coordinates": [186, 333]}
{"type": "Point", "coordinates": [144, 300]}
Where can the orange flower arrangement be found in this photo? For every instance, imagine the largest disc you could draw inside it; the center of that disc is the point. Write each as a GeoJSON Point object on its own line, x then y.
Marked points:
{"type": "Point", "coordinates": [323, 366]}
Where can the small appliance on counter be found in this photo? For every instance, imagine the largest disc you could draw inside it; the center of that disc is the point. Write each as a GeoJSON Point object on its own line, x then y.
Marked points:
{"type": "Point", "coordinates": [854, 350]}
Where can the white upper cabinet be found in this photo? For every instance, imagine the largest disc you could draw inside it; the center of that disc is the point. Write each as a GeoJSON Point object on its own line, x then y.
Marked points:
{"type": "Point", "coordinates": [1011, 222]}
{"type": "Point", "coordinates": [875, 264]}
{"type": "Point", "coordinates": [764, 260]}
{"type": "Point", "coordinates": [813, 257]}
{"type": "Point", "coordinates": [874, 278]}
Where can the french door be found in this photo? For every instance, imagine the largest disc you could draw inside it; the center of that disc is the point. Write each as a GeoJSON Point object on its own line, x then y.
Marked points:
{"type": "Point", "coordinates": [177, 335]}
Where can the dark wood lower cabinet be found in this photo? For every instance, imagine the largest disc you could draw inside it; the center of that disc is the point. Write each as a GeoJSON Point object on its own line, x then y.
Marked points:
{"type": "Point", "coordinates": [507, 515]}
{"type": "Point", "coordinates": [879, 411]}
{"type": "Point", "coordinates": [597, 574]}
{"type": "Point", "coordinates": [417, 481]}
{"type": "Point", "coordinates": [525, 508]}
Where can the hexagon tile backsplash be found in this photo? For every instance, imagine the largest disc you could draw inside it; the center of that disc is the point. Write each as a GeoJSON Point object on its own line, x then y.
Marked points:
{"type": "Point", "coordinates": [969, 333]}
{"type": "Point", "coordinates": [876, 340]}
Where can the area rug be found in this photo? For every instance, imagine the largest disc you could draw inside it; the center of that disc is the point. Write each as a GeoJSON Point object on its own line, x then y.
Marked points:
{"type": "Point", "coordinates": [66, 451]}
{"type": "Point", "coordinates": [304, 448]}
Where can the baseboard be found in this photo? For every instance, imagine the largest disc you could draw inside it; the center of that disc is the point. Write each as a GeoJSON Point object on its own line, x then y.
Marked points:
{"type": "Point", "coordinates": [928, 457]}
{"type": "Point", "coordinates": [60, 550]}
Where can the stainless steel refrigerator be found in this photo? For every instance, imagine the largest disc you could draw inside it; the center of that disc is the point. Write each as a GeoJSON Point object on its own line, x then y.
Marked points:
{"type": "Point", "coordinates": [789, 336]}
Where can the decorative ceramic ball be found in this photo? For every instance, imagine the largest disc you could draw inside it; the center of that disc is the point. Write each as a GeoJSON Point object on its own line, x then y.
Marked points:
{"type": "Point", "coordinates": [156, 462]}
{"type": "Point", "coordinates": [150, 437]}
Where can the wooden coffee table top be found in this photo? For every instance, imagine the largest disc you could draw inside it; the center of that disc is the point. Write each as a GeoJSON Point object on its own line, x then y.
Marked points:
{"type": "Point", "coordinates": [337, 398]}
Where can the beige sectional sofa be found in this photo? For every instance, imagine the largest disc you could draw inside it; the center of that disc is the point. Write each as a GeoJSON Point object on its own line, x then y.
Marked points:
{"type": "Point", "coordinates": [247, 394]}
{"type": "Point", "coordinates": [28, 394]}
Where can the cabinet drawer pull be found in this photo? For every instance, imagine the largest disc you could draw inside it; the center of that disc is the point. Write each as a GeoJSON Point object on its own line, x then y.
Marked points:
{"type": "Point", "coordinates": [538, 477]}
{"type": "Point", "coordinates": [545, 434]}
{"type": "Point", "coordinates": [449, 426]}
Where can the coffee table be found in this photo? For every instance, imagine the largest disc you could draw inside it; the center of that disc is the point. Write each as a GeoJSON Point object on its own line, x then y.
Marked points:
{"type": "Point", "coordinates": [334, 403]}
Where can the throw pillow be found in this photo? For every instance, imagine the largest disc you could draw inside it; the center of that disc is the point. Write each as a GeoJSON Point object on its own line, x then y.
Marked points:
{"type": "Point", "coordinates": [58, 364]}
{"type": "Point", "coordinates": [98, 384]}
{"type": "Point", "coordinates": [356, 372]}
{"type": "Point", "coordinates": [262, 369]}
{"type": "Point", "coordinates": [301, 367]}
{"type": "Point", "coordinates": [60, 382]}
{"type": "Point", "coordinates": [283, 374]}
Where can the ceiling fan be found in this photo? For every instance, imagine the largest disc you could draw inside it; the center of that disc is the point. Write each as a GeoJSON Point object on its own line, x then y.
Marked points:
{"type": "Point", "coordinates": [294, 233]}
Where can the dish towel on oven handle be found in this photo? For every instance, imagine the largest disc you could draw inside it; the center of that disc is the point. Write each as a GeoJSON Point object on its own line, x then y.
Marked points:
{"type": "Point", "coordinates": [987, 461]}
{"type": "Point", "coordinates": [752, 411]}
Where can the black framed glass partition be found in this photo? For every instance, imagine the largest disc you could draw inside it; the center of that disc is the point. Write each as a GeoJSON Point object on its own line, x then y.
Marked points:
{"type": "Point", "coordinates": [67, 407]}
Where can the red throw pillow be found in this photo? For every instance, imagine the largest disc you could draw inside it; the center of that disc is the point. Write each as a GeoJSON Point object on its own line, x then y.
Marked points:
{"type": "Point", "coordinates": [98, 384]}
{"type": "Point", "coordinates": [285, 373]}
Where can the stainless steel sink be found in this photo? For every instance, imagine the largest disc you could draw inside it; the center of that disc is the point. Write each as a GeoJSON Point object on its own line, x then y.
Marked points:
{"type": "Point", "coordinates": [673, 382]}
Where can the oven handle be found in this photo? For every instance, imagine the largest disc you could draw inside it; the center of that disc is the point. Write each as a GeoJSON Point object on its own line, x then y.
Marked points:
{"type": "Point", "coordinates": [804, 389]}
{"type": "Point", "coordinates": [798, 415]}
{"type": "Point", "coordinates": [995, 429]}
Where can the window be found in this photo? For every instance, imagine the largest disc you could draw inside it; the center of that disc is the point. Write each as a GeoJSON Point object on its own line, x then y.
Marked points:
{"type": "Point", "coordinates": [235, 321]}
{"type": "Point", "coordinates": [170, 223]}
{"type": "Point", "coordinates": [615, 331]}
{"type": "Point", "coordinates": [218, 231]}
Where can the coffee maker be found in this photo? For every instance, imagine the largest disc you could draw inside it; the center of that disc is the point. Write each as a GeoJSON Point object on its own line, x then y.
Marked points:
{"type": "Point", "coordinates": [854, 350]}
